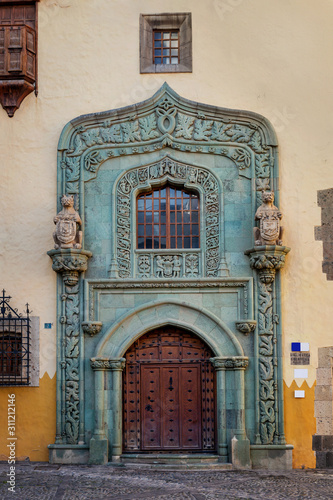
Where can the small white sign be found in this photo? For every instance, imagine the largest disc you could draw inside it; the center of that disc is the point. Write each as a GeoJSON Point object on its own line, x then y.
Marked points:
{"type": "Point", "coordinates": [299, 394]}
{"type": "Point", "coordinates": [305, 347]}
{"type": "Point", "coordinates": [300, 373]}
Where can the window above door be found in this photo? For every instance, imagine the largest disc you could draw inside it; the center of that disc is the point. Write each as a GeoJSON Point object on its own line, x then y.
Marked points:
{"type": "Point", "coordinates": [166, 43]}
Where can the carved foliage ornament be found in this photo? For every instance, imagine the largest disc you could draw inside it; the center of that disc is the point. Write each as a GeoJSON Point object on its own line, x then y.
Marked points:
{"type": "Point", "coordinates": [167, 266]}
{"type": "Point", "coordinates": [168, 120]}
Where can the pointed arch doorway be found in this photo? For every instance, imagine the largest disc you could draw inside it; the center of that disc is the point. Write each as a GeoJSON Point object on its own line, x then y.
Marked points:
{"type": "Point", "coordinates": [169, 394]}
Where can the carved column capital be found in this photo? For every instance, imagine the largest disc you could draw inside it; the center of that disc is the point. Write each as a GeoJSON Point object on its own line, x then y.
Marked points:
{"type": "Point", "coordinates": [108, 364]}
{"type": "Point", "coordinates": [267, 259]}
{"type": "Point", "coordinates": [230, 363]}
{"type": "Point", "coordinates": [246, 326]}
{"type": "Point", "coordinates": [69, 262]}
{"type": "Point", "coordinates": [92, 327]}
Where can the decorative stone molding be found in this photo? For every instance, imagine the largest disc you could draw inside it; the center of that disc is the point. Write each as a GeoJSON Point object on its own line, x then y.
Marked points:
{"type": "Point", "coordinates": [107, 364]}
{"type": "Point", "coordinates": [69, 262]}
{"type": "Point", "coordinates": [92, 327]}
{"type": "Point", "coordinates": [246, 326]}
{"type": "Point", "coordinates": [170, 264]}
{"type": "Point", "coordinates": [267, 259]}
{"type": "Point", "coordinates": [231, 363]}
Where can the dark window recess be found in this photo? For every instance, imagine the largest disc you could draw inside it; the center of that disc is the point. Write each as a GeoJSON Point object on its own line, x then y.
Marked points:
{"type": "Point", "coordinates": [18, 53]}
{"type": "Point", "coordinates": [168, 218]}
{"type": "Point", "coordinates": [166, 47]}
{"type": "Point", "coordinates": [14, 344]}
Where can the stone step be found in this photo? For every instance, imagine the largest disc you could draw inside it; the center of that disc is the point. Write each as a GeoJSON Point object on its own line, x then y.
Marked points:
{"type": "Point", "coordinates": [181, 461]}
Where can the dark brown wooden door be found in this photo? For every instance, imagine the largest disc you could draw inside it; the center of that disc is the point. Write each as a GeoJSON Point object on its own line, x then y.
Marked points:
{"type": "Point", "coordinates": [169, 394]}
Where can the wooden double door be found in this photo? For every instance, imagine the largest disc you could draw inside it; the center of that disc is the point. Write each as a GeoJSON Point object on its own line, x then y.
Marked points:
{"type": "Point", "coordinates": [168, 394]}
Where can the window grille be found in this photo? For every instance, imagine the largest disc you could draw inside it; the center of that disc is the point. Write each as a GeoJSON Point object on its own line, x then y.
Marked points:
{"type": "Point", "coordinates": [14, 344]}
{"type": "Point", "coordinates": [168, 218]}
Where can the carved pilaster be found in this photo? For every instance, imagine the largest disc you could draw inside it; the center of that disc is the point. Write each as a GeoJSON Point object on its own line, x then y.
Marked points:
{"type": "Point", "coordinates": [267, 260]}
{"type": "Point", "coordinates": [69, 263]}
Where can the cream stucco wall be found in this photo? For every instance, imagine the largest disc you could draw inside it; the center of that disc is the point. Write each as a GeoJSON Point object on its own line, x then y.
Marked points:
{"type": "Point", "coordinates": [272, 57]}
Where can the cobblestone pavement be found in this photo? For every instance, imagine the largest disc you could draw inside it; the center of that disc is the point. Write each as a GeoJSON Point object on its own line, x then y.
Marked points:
{"type": "Point", "coordinates": [47, 482]}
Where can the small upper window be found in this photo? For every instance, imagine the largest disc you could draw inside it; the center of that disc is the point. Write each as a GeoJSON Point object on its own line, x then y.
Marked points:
{"type": "Point", "coordinates": [166, 43]}
{"type": "Point", "coordinates": [166, 47]}
{"type": "Point", "coordinates": [168, 218]}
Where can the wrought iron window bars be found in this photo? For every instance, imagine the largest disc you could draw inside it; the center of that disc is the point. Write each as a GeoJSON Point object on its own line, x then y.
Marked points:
{"type": "Point", "coordinates": [14, 344]}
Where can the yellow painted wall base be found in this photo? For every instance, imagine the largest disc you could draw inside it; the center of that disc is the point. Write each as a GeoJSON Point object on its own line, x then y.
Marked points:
{"type": "Point", "coordinates": [35, 419]}
{"type": "Point", "coordinates": [300, 424]}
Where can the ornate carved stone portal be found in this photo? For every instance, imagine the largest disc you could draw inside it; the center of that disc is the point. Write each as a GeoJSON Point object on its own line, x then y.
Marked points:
{"type": "Point", "coordinates": [107, 161]}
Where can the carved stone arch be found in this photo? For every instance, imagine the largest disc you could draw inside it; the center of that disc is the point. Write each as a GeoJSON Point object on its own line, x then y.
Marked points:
{"type": "Point", "coordinates": [145, 177]}
{"type": "Point", "coordinates": [141, 320]}
{"type": "Point", "coordinates": [167, 120]}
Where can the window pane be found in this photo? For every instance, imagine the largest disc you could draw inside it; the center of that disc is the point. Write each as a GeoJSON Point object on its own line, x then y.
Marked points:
{"type": "Point", "coordinates": [157, 60]}
{"type": "Point", "coordinates": [156, 204]}
{"type": "Point", "coordinates": [172, 193]}
{"type": "Point", "coordinates": [163, 217]}
{"type": "Point", "coordinates": [179, 230]}
{"type": "Point", "coordinates": [141, 243]}
{"type": "Point", "coordinates": [174, 34]}
{"type": "Point", "coordinates": [163, 242]}
{"type": "Point", "coordinates": [195, 242]}
{"type": "Point", "coordinates": [163, 230]}
{"type": "Point", "coordinates": [166, 60]}
{"type": "Point", "coordinates": [195, 216]}
{"type": "Point", "coordinates": [187, 229]}
{"type": "Point", "coordinates": [174, 43]}
{"type": "Point", "coordinates": [187, 242]}
{"type": "Point", "coordinates": [173, 243]}
{"type": "Point", "coordinates": [166, 34]}
{"type": "Point", "coordinates": [166, 52]}
{"type": "Point", "coordinates": [149, 217]}
{"type": "Point", "coordinates": [195, 229]}
{"type": "Point", "coordinates": [157, 35]}
{"type": "Point", "coordinates": [148, 243]}
{"type": "Point", "coordinates": [174, 60]}
{"type": "Point", "coordinates": [148, 230]}
{"type": "Point", "coordinates": [157, 52]}
{"type": "Point", "coordinates": [148, 204]}
{"type": "Point", "coordinates": [156, 230]}
{"type": "Point", "coordinates": [141, 217]}
{"type": "Point", "coordinates": [141, 230]}
{"type": "Point", "coordinates": [179, 216]}
{"type": "Point", "coordinates": [186, 216]}
{"type": "Point", "coordinates": [194, 203]}
{"type": "Point", "coordinates": [179, 243]}
{"type": "Point", "coordinates": [141, 204]}
{"type": "Point", "coordinates": [179, 204]}
{"type": "Point", "coordinates": [172, 230]}
{"type": "Point", "coordinates": [172, 216]}
{"type": "Point", "coordinates": [163, 193]}
{"type": "Point", "coordinates": [172, 203]}
{"type": "Point", "coordinates": [156, 217]}
{"type": "Point", "coordinates": [156, 243]}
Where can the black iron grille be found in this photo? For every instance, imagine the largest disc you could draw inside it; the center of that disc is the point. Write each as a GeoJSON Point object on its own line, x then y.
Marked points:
{"type": "Point", "coordinates": [14, 344]}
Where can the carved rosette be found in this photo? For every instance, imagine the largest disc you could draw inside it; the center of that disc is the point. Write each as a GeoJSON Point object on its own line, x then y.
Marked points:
{"type": "Point", "coordinates": [92, 327]}
{"type": "Point", "coordinates": [246, 326]}
{"type": "Point", "coordinates": [69, 263]}
{"type": "Point", "coordinates": [230, 363]}
{"type": "Point", "coordinates": [108, 364]}
{"type": "Point", "coordinates": [267, 260]}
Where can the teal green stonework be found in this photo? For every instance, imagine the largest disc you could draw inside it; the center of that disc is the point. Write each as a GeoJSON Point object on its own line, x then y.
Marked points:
{"type": "Point", "coordinates": [227, 158]}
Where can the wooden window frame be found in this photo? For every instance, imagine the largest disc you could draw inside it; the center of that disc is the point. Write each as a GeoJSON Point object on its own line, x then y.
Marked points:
{"type": "Point", "coordinates": [162, 49]}
{"type": "Point", "coordinates": [169, 22]}
{"type": "Point", "coordinates": [170, 224]}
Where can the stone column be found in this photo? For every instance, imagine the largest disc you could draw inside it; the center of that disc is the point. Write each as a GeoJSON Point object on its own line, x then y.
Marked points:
{"type": "Point", "coordinates": [99, 442]}
{"type": "Point", "coordinates": [117, 367]}
{"type": "Point", "coordinates": [222, 445]}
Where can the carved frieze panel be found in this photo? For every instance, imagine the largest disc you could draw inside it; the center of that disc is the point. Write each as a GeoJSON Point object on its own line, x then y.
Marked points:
{"type": "Point", "coordinates": [163, 265]}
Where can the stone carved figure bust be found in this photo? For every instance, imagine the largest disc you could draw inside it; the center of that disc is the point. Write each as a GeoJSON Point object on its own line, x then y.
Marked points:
{"type": "Point", "coordinates": [67, 220]}
{"type": "Point", "coordinates": [270, 231]}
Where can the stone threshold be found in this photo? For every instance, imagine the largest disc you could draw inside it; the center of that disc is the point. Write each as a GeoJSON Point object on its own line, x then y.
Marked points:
{"type": "Point", "coordinates": [171, 459]}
